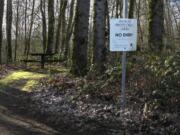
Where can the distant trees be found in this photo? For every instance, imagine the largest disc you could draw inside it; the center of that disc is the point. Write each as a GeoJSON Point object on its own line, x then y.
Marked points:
{"type": "Point", "coordinates": [62, 27]}
{"type": "Point", "coordinates": [1, 22]}
{"type": "Point", "coordinates": [51, 22]}
{"type": "Point", "coordinates": [70, 28]}
{"type": "Point", "coordinates": [8, 30]}
{"type": "Point", "coordinates": [30, 29]}
{"type": "Point", "coordinates": [79, 58]}
{"type": "Point", "coordinates": [60, 30]}
{"type": "Point", "coordinates": [156, 24]}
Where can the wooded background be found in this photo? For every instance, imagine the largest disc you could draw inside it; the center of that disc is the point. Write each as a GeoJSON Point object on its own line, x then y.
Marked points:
{"type": "Point", "coordinates": [78, 30]}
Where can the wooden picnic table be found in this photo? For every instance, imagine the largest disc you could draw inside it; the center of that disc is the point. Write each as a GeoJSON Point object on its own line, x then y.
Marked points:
{"type": "Point", "coordinates": [43, 57]}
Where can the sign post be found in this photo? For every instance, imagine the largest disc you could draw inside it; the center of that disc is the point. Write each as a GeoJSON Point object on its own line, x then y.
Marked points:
{"type": "Point", "coordinates": [123, 38]}
{"type": "Point", "coordinates": [124, 62]}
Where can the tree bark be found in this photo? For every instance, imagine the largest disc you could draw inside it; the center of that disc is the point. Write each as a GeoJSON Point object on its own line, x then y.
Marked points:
{"type": "Point", "coordinates": [44, 32]}
{"type": "Point", "coordinates": [156, 25]}
{"type": "Point", "coordinates": [60, 25]}
{"type": "Point", "coordinates": [131, 8]}
{"type": "Point", "coordinates": [8, 30]}
{"type": "Point", "coordinates": [99, 35]}
{"type": "Point", "coordinates": [25, 28]}
{"type": "Point", "coordinates": [17, 30]}
{"type": "Point", "coordinates": [79, 59]}
{"type": "Point", "coordinates": [30, 29]}
{"type": "Point", "coordinates": [1, 32]}
{"type": "Point", "coordinates": [69, 29]}
{"type": "Point", "coordinates": [50, 26]}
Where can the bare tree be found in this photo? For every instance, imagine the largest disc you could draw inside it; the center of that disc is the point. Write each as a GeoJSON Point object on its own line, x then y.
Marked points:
{"type": "Point", "coordinates": [44, 32]}
{"type": "Point", "coordinates": [30, 29]}
{"type": "Point", "coordinates": [50, 26]}
{"type": "Point", "coordinates": [79, 59]}
{"type": "Point", "coordinates": [99, 35]}
{"type": "Point", "coordinates": [1, 22]}
{"type": "Point", "coordinates": [61, 25]}
{"type": "Point", "coordinates": [69, 29]}
{"type": "Point", "coordinates": [25, 27]}
{"type": "Point", "coordinates": [156, 24]}
{"type": "Point", "coordinates": [8, 30]}
{"type": "Point", "coordinates": [17, 29]}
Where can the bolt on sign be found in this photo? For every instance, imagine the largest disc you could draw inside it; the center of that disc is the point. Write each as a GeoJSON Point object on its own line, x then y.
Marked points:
{"type": "Point", "coordinates": [123, 35]}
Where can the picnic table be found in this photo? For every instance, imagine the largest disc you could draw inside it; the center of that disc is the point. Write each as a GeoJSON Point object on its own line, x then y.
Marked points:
{"type": "Point", "coordinates": [44, 58]}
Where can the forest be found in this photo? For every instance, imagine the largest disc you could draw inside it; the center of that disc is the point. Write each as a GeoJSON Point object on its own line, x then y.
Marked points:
{"type": "Point", "coordinates": [59, 75]}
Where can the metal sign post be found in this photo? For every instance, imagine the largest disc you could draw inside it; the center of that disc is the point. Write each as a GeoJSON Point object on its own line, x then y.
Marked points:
{"type": "Point", "coordinates": [123, 38]}
{"type": "Point", "coordinates": [124, 62]}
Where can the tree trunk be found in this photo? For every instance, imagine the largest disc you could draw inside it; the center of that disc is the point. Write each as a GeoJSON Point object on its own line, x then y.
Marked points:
{"type": "Point", "coordinates": [69, 29]}
{"type": "Point", "coordinates": [30, 29]}
{"type": "Point", "coordinates": [60, 24]}
{"type": "Point", "coordinates": [99, 35]}
{"type": "Point", "coordinates": [1, 22]}
{"type": "Point", "coordinates": [131, 8]}
{"type": "Point", "coordinates": [17, 30]}
{"type": "Point", "coordinates": [63, 28]}
{"type": "Point", "coordinates": [79, 59]}
{"type": "Point", "coordinates": [8, 30]}
{"type": "Point", "coordinates": [50, 26]}
{"type": "Point", "coordinates": [58, 28]}
{"type": "Point", "coordinates": [25, 28]}
{"type": "Point", "coordinates": [44, 32]}
{"type": "Point", "coordinates": [156, 25]}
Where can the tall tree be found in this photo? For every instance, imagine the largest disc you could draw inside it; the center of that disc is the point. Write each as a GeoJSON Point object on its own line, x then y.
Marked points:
{"type": "Point", "coordinates": [30, 29]}
{"type": "Point", "coordinates": [50, 26]}
{"type": "Point", "coordinates": [8, 30]}
{"type": "Point", "coordinates": [1, 22]}
{"type": "Point", "coordinates": [69, 29]}
{"type": "Point", "coordinates": [17, 29]}
{"type": "Point", "coordinates": [156, 24]}
{"type": "Point", "coordinates": [25, 27]}
{"type": "Point", "coordinates": [61, 25]}
{"type": "Point", "coordinates": [64, 26]}
{"type": "Point", "coordinates": [79, 59]}
{"type": "Point", "coordinates": [44, 31]}
{"type": "Point", "coordinates": [99, 35]}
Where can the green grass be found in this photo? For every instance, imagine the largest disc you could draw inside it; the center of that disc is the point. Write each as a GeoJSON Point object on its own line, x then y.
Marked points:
{"type": "Point", "coordinates": [22, 80]}
{"type": "Point", "coordinates": [28, 80]}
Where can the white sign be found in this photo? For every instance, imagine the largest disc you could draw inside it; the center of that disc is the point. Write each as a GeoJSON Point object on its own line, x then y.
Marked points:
{"type": "Point", "coordinates": [123, 34]}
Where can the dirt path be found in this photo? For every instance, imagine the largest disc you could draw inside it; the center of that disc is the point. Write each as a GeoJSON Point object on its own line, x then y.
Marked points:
{"type": "Point", "coordinates": [11, 123]}
{"type": "Point", "coordinates": [14, 125]}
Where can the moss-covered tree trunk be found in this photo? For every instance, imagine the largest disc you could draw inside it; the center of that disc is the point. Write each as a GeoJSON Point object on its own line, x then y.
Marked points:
{"type": "Point", "coordinates": [156, 25]}
{"type": "Point", "coordinates": [99, 35]}
{"type": "Point", "coordinates": [1, 22]}
{"type": "Point", "coordinates": [79, 59]}
{"type": "Point", "coordinates": [50, 26]}
{"type": "Point", "coordinates": [8, 30]}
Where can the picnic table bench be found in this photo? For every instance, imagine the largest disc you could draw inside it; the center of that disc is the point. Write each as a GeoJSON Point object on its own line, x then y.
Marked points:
{"type": "Point", "coordinates": [44, 58]}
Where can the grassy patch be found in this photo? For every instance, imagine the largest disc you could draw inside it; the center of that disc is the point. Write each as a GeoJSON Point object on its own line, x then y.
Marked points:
{"type": "Point", "coordinates": [23, 80]}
